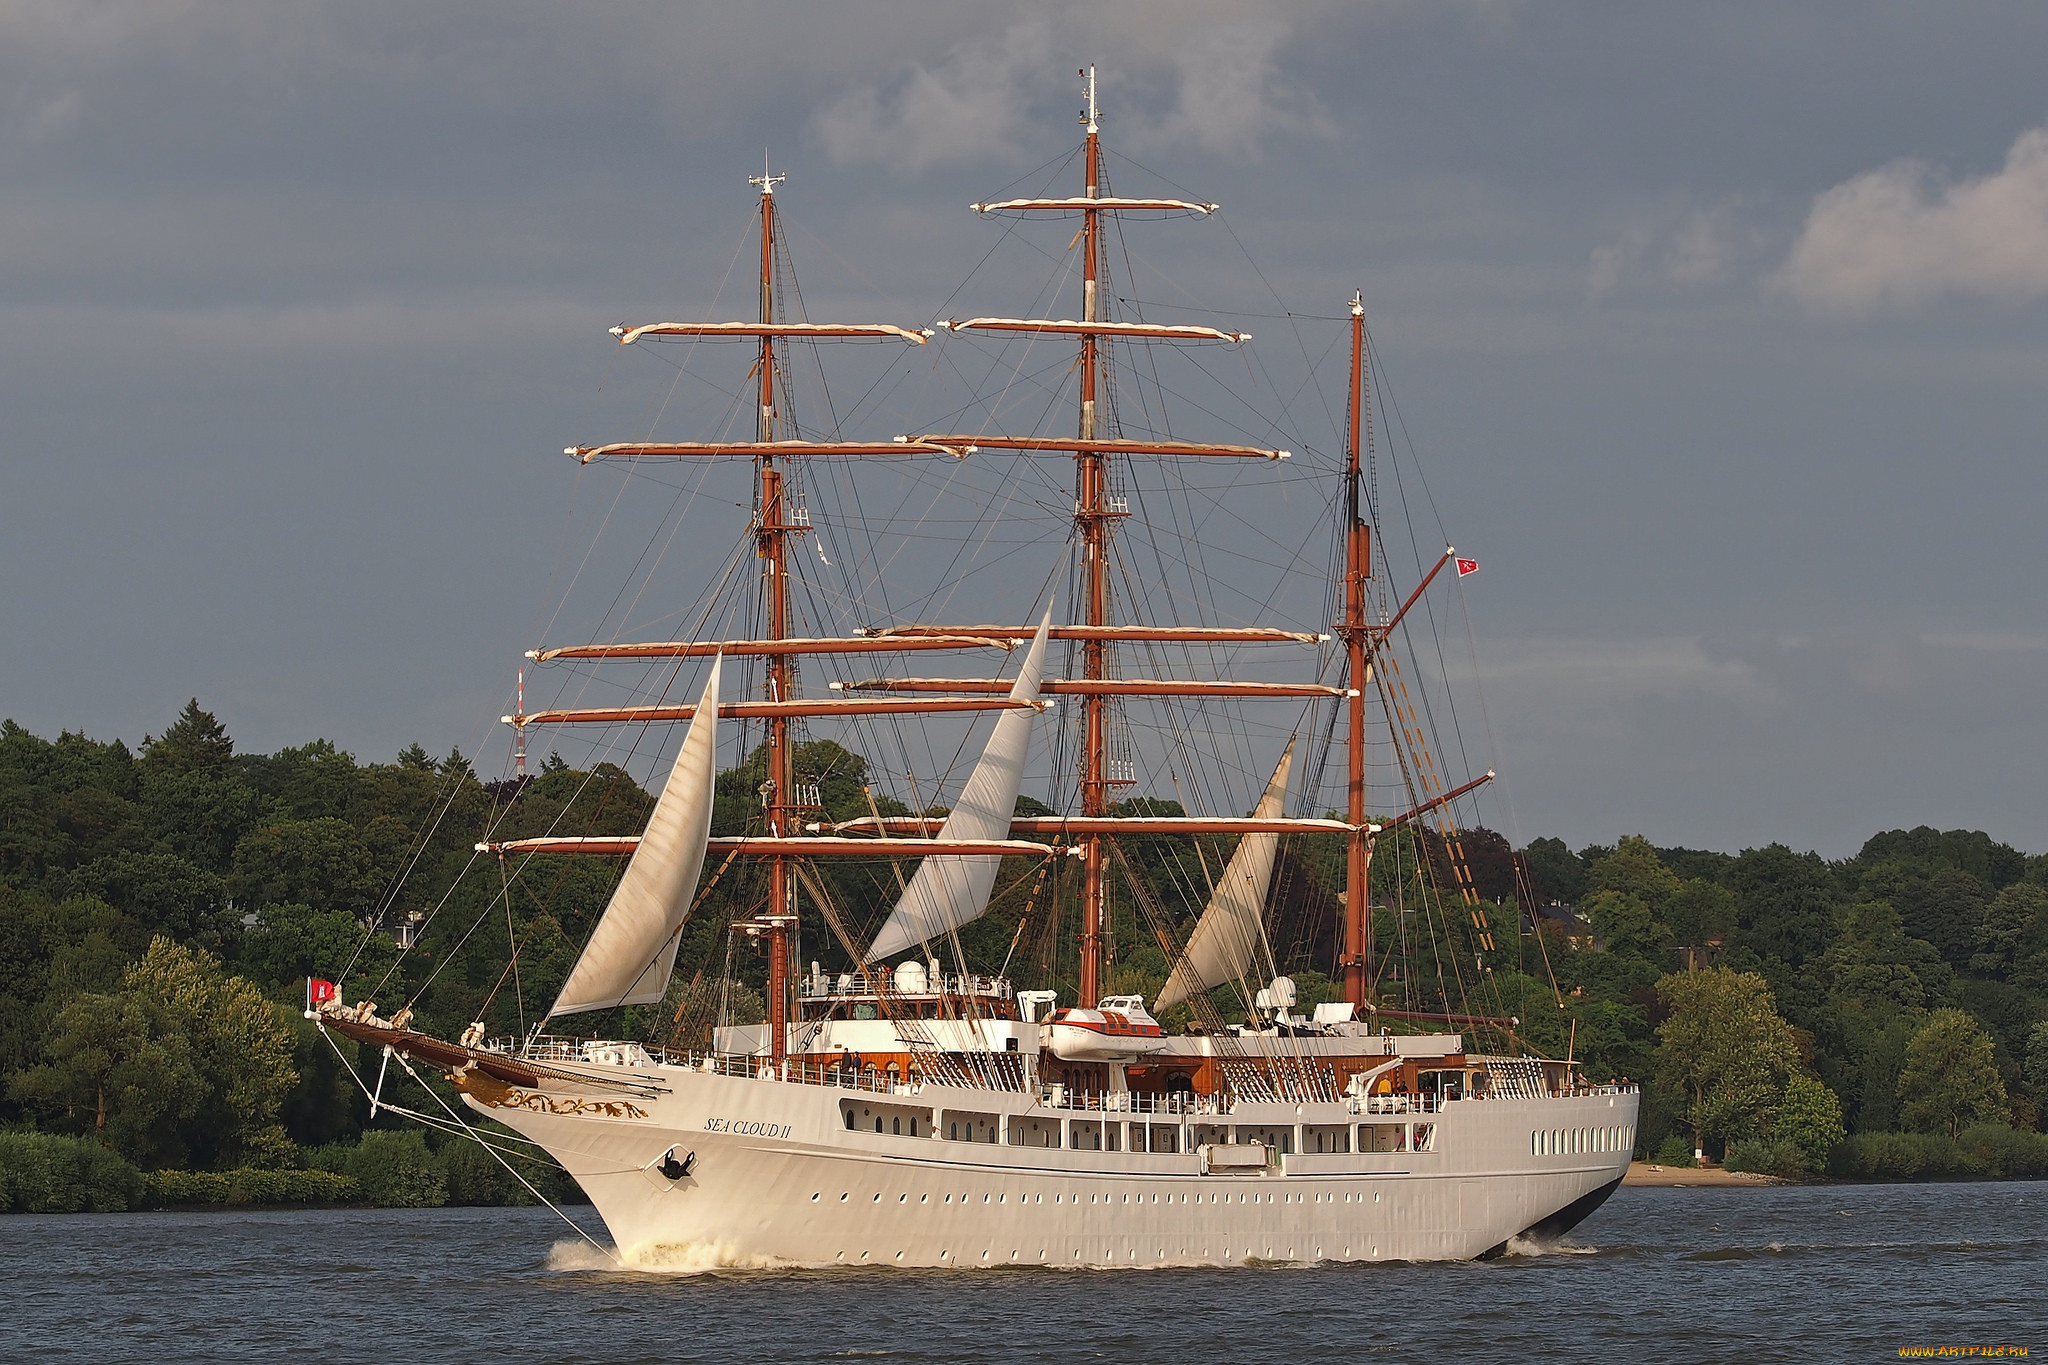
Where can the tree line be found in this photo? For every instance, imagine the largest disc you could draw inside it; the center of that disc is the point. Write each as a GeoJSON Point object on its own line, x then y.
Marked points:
{"type": "Point", "coordinates": [162, 906]}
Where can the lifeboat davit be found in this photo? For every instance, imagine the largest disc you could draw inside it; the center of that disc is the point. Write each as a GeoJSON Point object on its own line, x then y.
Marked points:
{"type": "Point", "coordinates": [1116, 1031]}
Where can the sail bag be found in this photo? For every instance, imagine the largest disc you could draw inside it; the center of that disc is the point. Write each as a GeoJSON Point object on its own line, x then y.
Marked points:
{"type": "Point", "coordinates": [633, 948]}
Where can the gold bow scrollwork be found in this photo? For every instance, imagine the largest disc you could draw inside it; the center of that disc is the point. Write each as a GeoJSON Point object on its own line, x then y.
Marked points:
{"type": "Point", "coordinates": [489, 1090]}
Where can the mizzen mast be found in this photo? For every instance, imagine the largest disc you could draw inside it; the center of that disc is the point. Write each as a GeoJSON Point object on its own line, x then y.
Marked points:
{"type": "Point", "coordinates": [1357, 569]}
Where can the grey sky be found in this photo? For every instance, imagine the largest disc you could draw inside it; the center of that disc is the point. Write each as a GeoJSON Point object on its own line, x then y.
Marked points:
{"type": "Point", "coordinates": [1719, 332]}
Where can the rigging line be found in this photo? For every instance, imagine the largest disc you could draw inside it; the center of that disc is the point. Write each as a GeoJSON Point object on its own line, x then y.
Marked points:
{"type": "Point", "coordinates": [542, 902]}
{"type": "Point", "coordinates": [389, 898]}
{"type": "Point", "coordinates": [1237, 312]}
{"type": "Point", "coordinates": [1383, 385]}
{"type": "Point", "coordinates": [690, 346]}
{"type": "Point", "coordinates": [407, 1064]}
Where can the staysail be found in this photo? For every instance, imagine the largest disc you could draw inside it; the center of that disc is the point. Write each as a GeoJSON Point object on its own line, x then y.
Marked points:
{"type": "Point", "coordinates": [947, 892]}
{"type": "Point", "coordinates": [1226, 941]}
{"type": "Point", "coordinates": [633, 948]}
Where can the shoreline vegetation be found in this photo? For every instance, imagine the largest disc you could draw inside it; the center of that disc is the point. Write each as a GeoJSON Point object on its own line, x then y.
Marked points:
{"type": "Point", "coordinates": [1881, 1017]}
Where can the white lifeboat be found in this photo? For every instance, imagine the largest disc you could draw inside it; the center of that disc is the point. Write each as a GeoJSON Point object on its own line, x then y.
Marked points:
{"type": "Point", "coordinates": [1117, 1030]}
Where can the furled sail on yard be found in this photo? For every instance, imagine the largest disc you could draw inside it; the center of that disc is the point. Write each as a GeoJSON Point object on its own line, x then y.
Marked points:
{"type": "Point", "coordinates": [633, 948]}
{"type": "Point", "coordinates": [947, 892]}
{"type": "Point", "coordinates": [1227, 939]}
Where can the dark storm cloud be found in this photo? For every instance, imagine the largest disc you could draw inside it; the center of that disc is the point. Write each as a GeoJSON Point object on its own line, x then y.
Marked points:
{"type": "Point", "coordinates": [1718, 331]}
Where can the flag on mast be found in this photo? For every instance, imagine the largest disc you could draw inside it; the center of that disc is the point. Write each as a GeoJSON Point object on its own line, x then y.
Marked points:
{"type": "Point", "coordinates": [1466, 566]}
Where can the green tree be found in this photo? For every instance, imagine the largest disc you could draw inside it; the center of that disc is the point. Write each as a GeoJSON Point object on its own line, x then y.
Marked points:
{"type": "Point", "coordinates": [162, 891]}
{"type": "Point", "coordinates": [1558, 873]}
{"type": "Point", "coordinates": [195, 742]}
{"type": "Point", "coordinates": [1626, 925]}
{"type": "Point", "coordinates": [323, 863]}
{"type": "Point", "coordinates": [1785, 903]}
{"type": "Point", "coordinates": [1723, 1053]}
{"type": "Point", "coordinates": [120, 1068]}
{"type": "Point", "coordinates": [1702, 916]}
{"type": "Point", "coordinates": [1810, 1118]}
{"type": "Point", "coordinates": [1950, 1079]}
{"type": "Point", "coordinates": [2015, 919]}
{"type": "Point", "coordinates": [241, 1042]}
{"type": "Point", "coordinates": [1634, 869]}
{"type": "Point", "coordinates": [2037, 1064]}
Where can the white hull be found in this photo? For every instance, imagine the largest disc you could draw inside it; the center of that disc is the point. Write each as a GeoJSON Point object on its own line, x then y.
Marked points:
{"type": "Point", "coordinates": [779, 1178]}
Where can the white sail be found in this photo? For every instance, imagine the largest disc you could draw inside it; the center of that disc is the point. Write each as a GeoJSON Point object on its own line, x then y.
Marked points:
{"type": "Point", "coordinates": [633, 948]}
{"type": "Point", "coordinates": [947, 892]}
{"type": "Point", "coordinates": [1226, 941]}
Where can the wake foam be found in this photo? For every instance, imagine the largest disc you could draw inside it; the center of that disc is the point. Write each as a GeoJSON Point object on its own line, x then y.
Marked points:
{"type": "Point", "coordinates": [573, 1256]}
{"type": "Point", "coordinates": [1519, 1245]}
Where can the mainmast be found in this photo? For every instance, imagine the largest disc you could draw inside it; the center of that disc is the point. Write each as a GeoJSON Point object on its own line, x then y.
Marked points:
{"type": "Point", "coordinates": [778, 791]}
{"type": "Point", "coordinates": [1091, 515]}
{"type": "Point", "coordinates": [1357, 569]}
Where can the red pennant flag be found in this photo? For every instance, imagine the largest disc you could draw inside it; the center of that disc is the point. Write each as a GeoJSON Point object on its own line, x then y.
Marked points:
{"type": "Point", "coordinates": [1466, 566]}
{"type": "Point", "coordinates": [318, 992]}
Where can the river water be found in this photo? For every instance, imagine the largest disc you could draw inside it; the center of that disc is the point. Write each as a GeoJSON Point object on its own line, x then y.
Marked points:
{"type": "Point", "coordinates": [1806, 1274]}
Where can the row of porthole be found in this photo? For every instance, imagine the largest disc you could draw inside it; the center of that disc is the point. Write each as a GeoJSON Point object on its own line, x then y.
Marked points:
{"type": "Point", "coordinates": [1004, 1198]}
{"type": "Point", "coordinates": [946, 1255]}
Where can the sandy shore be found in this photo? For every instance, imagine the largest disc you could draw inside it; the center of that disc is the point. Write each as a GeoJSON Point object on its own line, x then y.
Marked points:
{"type": "Point", "coordinates": [1644, 1173]}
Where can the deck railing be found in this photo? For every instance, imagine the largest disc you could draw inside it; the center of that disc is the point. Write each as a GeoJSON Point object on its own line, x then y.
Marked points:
{"type": "Point", "coordinates": [835, 1073]}
{"type": "Point", "coordinates": [847, 985]}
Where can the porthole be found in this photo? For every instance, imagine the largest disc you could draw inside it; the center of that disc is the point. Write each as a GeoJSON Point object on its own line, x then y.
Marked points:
{"type": "Point", "coordinates": [923, 1198]}
{"type": "Point", "coordinates": [814, 1199]}
{"type": "Point", "coordinates": [878, 1196]}
{"type": "Point", "coordinates": [842, 1199]}
{"type": "Point", "coordinates": [902, 1198]}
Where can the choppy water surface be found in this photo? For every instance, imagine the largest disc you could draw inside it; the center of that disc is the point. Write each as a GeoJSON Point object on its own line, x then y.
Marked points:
{"type": "Point", "coordinates": [1844, 1273]}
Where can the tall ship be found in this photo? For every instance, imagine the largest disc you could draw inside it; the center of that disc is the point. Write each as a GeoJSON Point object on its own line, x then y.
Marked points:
{"type": "Point", "coordinates": [943, 1083]}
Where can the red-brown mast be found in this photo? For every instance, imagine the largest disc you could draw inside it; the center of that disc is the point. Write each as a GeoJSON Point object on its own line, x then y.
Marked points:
{"type": "Point", "coordinates": [773, 539]}
{"type": "Point", "coordinates": [1092, 516]}
{"type": "Point", "coordinates": [1357, 568]}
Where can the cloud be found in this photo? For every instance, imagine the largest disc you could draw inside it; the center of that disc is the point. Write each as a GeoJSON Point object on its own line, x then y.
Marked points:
{"type": "Point", "coordinates": [1988, 642]}
{"type": "Point", "coordinates": [968, 106]}
{"type": "Point", "coordinates": [1661, 665]}
{"type": "Point", "coordinates": [1690, 248]}
{"type": "Point", "coordinates": [1171, 79]}
{"type": "Point", "coordinates": [1887, 236]}
{"type": "Point", "coordinates": [1228, 95]}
